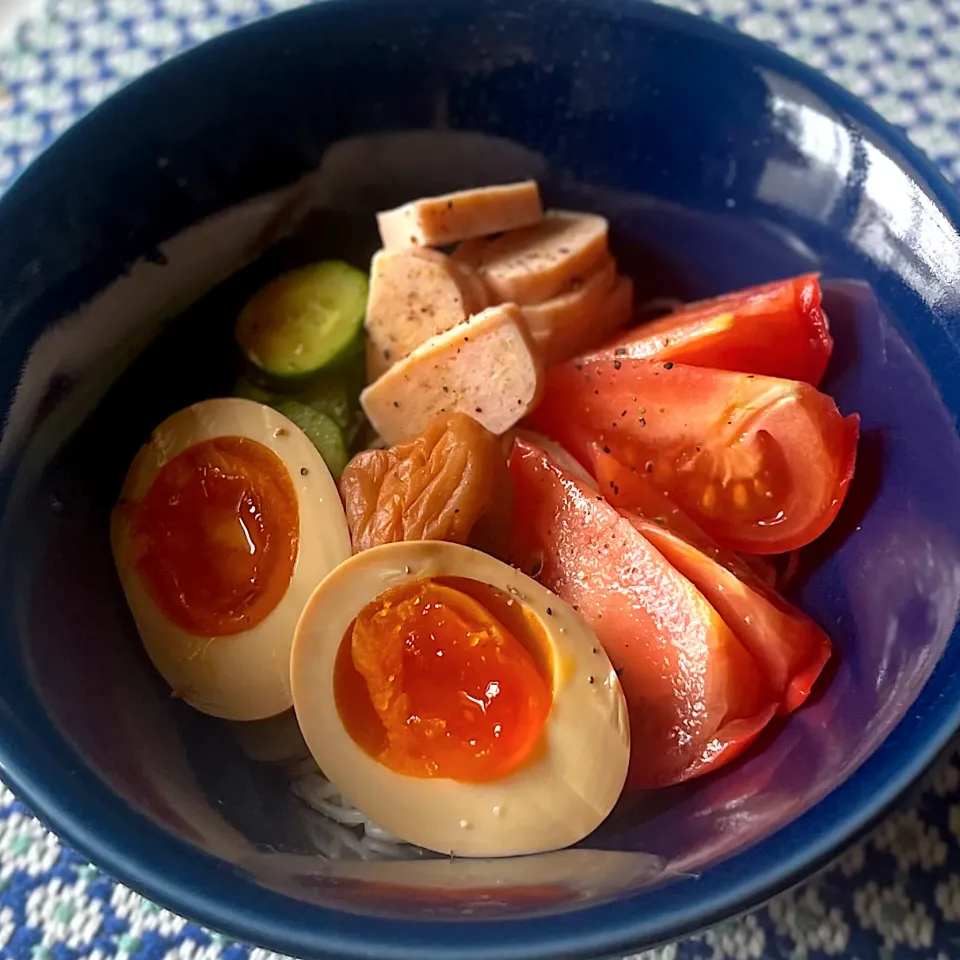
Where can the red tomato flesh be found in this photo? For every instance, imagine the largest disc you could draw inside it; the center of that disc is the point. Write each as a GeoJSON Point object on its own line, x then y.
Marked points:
{"type": "Point", "coordinates": [761, 464]}
{"type": "Point", "coordinates": [694, 695]}
{"type": "Point", "coordinates": [778, 330]}
{"type": "Point", "coordinates": [790, 649]}
{"type": "Point", "coordinates": [628, 488]}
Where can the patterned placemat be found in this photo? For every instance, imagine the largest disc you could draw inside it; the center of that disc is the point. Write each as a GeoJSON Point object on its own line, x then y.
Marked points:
{"type": "Point", "coordinates": [894, 897]}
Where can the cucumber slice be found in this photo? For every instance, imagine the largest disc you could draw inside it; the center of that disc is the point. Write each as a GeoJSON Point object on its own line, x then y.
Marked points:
{"type": "Point", "coordinates": [304, 321]}
{"type": "Point", "coordinates": [323, 433]}
{"type": "Point", "coordinates": [333, 397]}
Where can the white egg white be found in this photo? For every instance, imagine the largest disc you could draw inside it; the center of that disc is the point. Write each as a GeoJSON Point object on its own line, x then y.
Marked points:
{"type": "Point", "coordinates": [554, 800]}
{"type": "Point", "coordinates": [243, 676]}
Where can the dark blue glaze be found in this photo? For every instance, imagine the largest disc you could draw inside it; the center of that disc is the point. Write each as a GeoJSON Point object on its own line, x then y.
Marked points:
{"type": "Point", "coordinates": [739, 167]}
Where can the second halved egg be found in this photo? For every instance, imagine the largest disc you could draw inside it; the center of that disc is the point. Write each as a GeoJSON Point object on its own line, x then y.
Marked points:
{"type": "Point", "coordinates": [458, 703]}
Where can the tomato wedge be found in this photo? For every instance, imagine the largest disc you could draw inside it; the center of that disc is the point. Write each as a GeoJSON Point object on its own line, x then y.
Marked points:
{"type": "Point", "coordinates": [694, 695]}
{"type": "Point", "coordinates": [790, 649]}
{"type": "Point", "coordinates": [761, 464]}
{"type": "Point", "coordinates": [627, 488]}
{"type": "Point", "coordinates": [778, 330]}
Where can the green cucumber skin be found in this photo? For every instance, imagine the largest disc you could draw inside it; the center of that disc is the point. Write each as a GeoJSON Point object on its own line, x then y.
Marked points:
{"type": "Point", "coordinates": [321, 430]}
{"type": "Point", "coordinates": [336, 394]}
{"type": "Point", "coordinates": [320, 308]}
{"type": "Point", "coordinates": [340, 409]}
{"type": "Point", "coordinates": [290, 385]}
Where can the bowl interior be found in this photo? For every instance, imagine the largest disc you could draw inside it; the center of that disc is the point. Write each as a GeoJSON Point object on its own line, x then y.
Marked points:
{"type": "Point", "coordinates": [276, 145]}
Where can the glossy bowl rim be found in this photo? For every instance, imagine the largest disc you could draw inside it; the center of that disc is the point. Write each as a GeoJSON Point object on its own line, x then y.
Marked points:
{"type": "Point", "coordinates": [183, 878]}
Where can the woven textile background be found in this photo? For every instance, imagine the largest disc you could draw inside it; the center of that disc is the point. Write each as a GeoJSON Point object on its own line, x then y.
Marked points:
{"type": "Point", "coordinates": [895, 897]}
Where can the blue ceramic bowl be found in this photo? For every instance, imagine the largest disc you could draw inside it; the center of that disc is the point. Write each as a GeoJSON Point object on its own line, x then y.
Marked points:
{"type": "Point", "coordinates": [720, 163]}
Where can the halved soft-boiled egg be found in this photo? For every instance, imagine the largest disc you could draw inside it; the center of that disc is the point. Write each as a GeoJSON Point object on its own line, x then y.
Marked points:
{"type": "Point", "coordinates": [227, 521]}
{"type": "Point", "coordinates": [458, 703]}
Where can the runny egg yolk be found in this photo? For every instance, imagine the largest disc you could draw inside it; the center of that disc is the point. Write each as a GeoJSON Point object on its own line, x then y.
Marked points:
{"type": "Point", "coordinates": [431, 683]}
{"type": "Point", "coordinates": [217, 535]}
